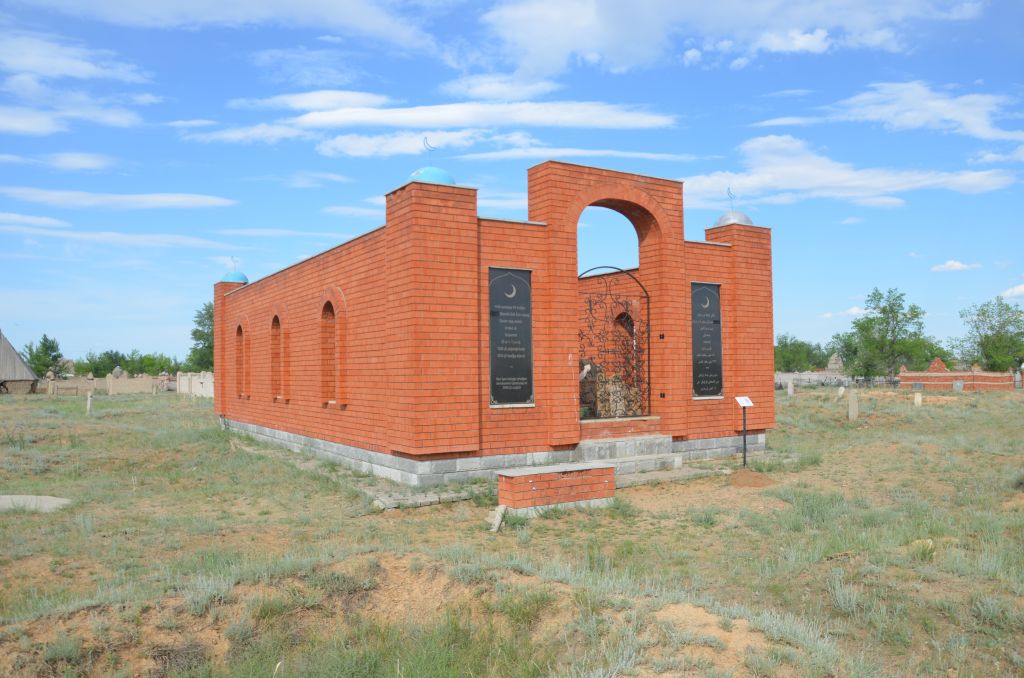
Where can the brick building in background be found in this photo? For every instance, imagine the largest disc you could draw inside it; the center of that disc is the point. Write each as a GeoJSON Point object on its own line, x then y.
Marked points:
{"type": "Point", "coordinates": [444, 345]}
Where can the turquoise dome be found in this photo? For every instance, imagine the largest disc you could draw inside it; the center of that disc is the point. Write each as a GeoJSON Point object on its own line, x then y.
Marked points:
{"type": "Point", "coordinates": [432, 175]}
{"type": "Point", "coordinates": [235, 276]}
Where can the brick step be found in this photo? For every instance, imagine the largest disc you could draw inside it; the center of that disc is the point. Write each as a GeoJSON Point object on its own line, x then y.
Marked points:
{"type": "Point", "coordinates": [645, 463]}
{"type": "Point", "coordinates": [610, 449]}
{"type": "Point", "coordinates": [684, 472]}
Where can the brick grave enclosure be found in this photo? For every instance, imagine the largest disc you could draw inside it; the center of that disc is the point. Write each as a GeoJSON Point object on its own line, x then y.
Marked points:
{"type": "Point", "coordinates": [446, 346]}
{"type": "Point", "coordinates": [939, 378]}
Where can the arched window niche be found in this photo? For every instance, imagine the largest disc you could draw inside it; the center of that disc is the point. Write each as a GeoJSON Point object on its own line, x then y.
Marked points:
{"type": "Point", "coordinates": [276, 360]}
{"type": "Point", "coordinates": [239, 362]}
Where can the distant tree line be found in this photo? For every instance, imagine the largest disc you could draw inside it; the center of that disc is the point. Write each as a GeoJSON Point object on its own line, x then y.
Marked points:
{"type": "Point", "coordinates": [46, 356]}
{"type": "Point", "coordinates": [891, 333]}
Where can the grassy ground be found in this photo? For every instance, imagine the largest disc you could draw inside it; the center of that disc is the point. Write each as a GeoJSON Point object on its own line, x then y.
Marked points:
{"type": "Point", "coordinates": [893, 545]}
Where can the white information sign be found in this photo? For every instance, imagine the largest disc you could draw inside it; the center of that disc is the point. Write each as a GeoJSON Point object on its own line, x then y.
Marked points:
{"type": "Point", "coordinates": [744, 401]}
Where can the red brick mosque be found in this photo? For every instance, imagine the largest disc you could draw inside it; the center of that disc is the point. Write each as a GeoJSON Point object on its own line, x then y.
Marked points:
{"type": "Point", "coordinates": [445, 345]}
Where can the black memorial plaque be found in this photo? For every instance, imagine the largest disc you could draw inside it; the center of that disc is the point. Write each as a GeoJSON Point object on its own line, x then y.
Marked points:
{"type": "Point", "coordinates": [706, 314]}
{"type": "Point", "coordinates": [511, 337]}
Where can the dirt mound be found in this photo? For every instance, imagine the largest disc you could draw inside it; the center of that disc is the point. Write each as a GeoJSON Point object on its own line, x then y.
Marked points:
{"type": "Point", "coordinates": [747, 478]}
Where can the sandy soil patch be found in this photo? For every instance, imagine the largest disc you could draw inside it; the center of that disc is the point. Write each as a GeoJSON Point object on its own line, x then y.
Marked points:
{"type": "Point", "coordinates": [714, 491]}
{"type": "Point", "coordinates": [694, 637]}
{"type": "Point", "coordinates": [747, 478]}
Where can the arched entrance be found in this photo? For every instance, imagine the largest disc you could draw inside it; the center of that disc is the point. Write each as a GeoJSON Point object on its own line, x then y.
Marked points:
{"type": "Point", "coordinates": [614, 344]}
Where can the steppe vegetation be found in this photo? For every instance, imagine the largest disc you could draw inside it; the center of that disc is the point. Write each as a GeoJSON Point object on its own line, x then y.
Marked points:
{"type": "Point", "coordinates": [893, 545]}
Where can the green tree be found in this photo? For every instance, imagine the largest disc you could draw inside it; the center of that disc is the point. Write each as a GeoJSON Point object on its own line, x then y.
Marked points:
{"type": "Point", "coordinates": [995, 335]}
{"type": "Point", "coordinates": [796, 355]}
{"type": "Point", "coordinates": [200, 356]}
{"type": "Point", "coordinates": [44, 356]}
{"type": "Point", "coordinates": [100, 364]}
{"type": "Point", "coordinates": [888, 335]}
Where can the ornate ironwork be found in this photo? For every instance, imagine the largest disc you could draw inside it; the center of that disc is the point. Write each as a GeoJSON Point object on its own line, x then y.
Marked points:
{"type": "Point", "coordinates": [614, 343]}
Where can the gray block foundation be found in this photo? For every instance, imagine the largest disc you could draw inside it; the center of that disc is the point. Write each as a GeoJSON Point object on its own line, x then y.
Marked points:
{"type": "Point", "coordinates": [534, 511]}
{"type": "Point", "coordinates": [629, 455]}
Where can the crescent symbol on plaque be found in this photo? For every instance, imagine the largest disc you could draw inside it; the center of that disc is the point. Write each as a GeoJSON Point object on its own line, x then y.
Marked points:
{"type": "Point", "coordinates": [512, 293]}
{"type": "Point", "coordinates": [707, 302]}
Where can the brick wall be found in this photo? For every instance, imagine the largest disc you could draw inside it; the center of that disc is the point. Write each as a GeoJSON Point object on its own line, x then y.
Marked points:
{"type": "Point", "coordinates": [548, 488]}
{"type": "Point", "coordinates": [943, 381]}
{"type": "Point", "coordinates": [411, 313]}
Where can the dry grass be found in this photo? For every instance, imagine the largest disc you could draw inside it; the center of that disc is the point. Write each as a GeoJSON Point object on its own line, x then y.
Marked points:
{"type": "Point", "coordinates": [891, 546]}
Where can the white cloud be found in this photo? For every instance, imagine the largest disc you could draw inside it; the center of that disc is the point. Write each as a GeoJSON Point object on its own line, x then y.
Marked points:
{"type": "Point", "coordinates": [305, 67]}
{"type": "Point", "coordinates": [739, 63]}
{"type": "Point", "coordinates": [851, 312]}
{"type": "Point", "coordinates": [278, 233]}
{"type": "Point", "coordinates": [1013, 292]}
{"type": "Point", "coordinates": [46, 56]}
{"type": "Point", "coordinates": [359, 17]}
{"type": "Point", "coordinates": [10, 218]}
{"type": "Point", "coordinates": [782, 169]}
{"type": "Point", "coordinates": [268, 133]}
{"type": "Point", "coordinates": [118, 238]}
{"type": "Point", "coordinates": [190, 124]}
{"type": "Point", "coordinates": [317, 100]}
{"type": "Point", "coordinates": [79, 161]}
{"type": "Point", "coordinates": [691, 57]}
{"type": "Point", "coordinates": [350, 211]}
{"type": "Point", "coordinates": [498, 87]}
{"type": "Point", "coordinates": [789, 93]}
{"type": "Point", "coordinates": [794, 40]}
{"type": "Point", "coordinates": [953, 265]}
{"type": "Point", "coordinates": [20, 120]}
{"type": "Point", "coordinates": [145, 99]}
{"type": "Point", "coordinates": [548, 152]}
{"type": "Point", "coordinates": [63, 161]}
{"type": "Point", "coordinates": [543, 37]}
{"type": "Point", "coordinates": [316, 179]}
{"type": "Point", "coordinates": [1016, 155]}
{"type": "Point", "coordinates": [915, 105]}
{"type": "Point", "coordinates": [579, 114]}
{"type": "Point", "coordinates": [82, 199]}
{"type": "Point", "coordinates": [397, 143]}
{"type": "Point", "coordinates": [851, 220]}
{"type": "Point", "coordinates": [787, 121]}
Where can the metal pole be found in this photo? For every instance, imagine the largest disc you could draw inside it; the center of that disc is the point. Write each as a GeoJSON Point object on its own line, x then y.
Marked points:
{"type": "Point", "coordinates": [744, 437]}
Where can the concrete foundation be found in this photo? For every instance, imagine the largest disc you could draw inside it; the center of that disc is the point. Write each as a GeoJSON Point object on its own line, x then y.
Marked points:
{"type": "Point", "coordinates": [654, 452]}
{"type": "Point", "coordinates": [534, 511]}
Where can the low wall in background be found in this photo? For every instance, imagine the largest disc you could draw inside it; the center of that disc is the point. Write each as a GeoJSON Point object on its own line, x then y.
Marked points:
{"type": "Point", "coordinates": [957, 381]}
{"type": "Point", "coordinates": [108, 385]}
{"type": "Point", "coordinates": [197, 384]}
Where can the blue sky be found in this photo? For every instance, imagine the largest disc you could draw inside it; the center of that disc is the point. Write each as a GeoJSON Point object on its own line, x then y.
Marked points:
{"type": "Point", "coordinates": [145, 144]}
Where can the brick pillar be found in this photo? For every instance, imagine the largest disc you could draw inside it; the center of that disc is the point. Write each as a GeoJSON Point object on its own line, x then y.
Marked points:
{"type": "Point", "coordinates": [223, 368]}
{"type": "Point", "coordinates": [750, 361]}
{"type": "Point", "coordinates": [433, 301]}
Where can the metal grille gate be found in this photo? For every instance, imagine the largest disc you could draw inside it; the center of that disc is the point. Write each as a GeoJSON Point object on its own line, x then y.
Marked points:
{"type": "Point", "coordinates": [614, 344]}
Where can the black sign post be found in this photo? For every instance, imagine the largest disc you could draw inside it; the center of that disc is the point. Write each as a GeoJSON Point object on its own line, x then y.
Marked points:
{"type": "Point", "coordinates": [706, 323]}
{"type": "Point", "coordinates": [744, 402]}
{"type": "Point", "coordinates": [511, 333]}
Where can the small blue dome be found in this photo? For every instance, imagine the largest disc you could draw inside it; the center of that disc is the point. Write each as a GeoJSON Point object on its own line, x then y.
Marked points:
{"type": "Point", "coordinates": [432, 175]}
{"type": "Point", "coordinates": [235, 276]}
